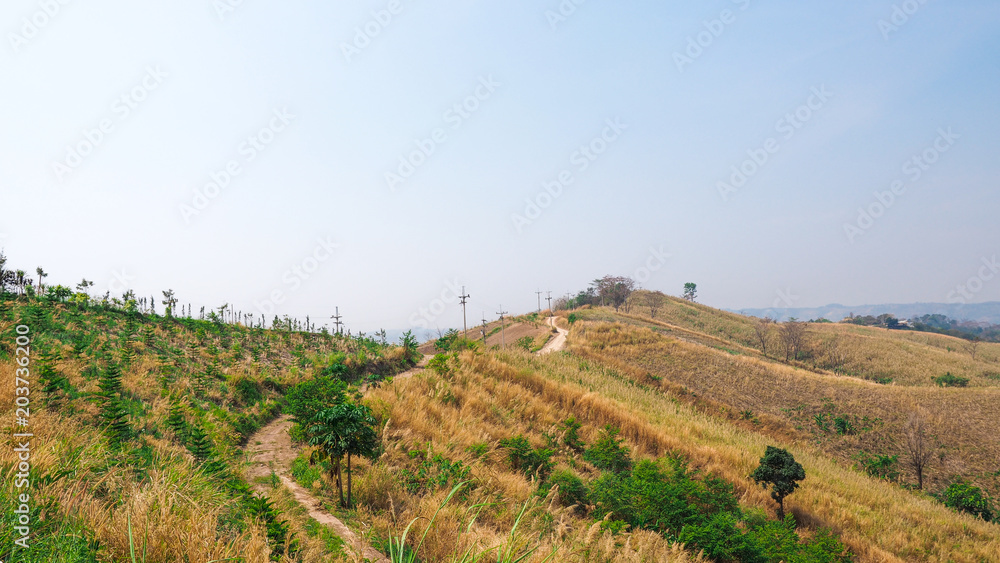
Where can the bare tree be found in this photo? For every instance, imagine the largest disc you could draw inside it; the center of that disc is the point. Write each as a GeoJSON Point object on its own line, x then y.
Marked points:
{"type": "Point", "coordinates": [762, 330]}
{"type": "Point", "coordinates": [615, 290]}
{"type": "Point", "coordinates": [793, 335]}
{"type": "Point", "coordinates": [973, 346]}
{"type": "Point", "coordinates": [918, 446]}
{"type": "Point", "coordinates": [654, 300]}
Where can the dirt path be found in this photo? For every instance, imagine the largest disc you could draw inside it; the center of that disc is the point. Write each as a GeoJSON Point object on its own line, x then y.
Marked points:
{"type": "Point", "coordinates": [270, 449]}
{"type": "Point", "coordinates": [557, 343]}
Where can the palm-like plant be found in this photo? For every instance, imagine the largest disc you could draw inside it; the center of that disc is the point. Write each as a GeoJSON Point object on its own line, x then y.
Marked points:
{"type": "Point", "coordinates": [169, 300]}
{"type": "Point", "coordinates": [41, 275]}
{"type": "Point", "coordinates": [344, 429]}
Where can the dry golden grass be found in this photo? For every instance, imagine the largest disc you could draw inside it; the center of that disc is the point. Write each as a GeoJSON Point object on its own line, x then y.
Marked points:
{"type": "Point", "coordinates": [783, 397]}
{"type": "Point", "coordinates": [185, 514]}
{"type": "Point", "coordinates": [905, 357]}
{"type": "Point", "coordinates": [494, 396]}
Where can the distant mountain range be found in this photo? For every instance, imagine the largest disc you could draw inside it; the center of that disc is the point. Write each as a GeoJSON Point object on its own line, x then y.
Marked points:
{"type": "Point", "coordinates": [978, 312]}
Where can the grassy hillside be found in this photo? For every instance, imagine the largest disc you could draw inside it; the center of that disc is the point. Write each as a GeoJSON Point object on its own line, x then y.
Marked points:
{"type": "Point", "coordinates": [158, 447]}
{"type": "Point", "coordinates": [635, 444]}
{"type": "Point", "coordinates": [705, 359]}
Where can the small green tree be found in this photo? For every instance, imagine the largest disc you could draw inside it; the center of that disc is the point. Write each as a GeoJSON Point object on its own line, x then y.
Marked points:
{"type": "Point", "coordinates": [344, 429]}
{"type": "Point", "coordinates": [609, 452]}
{"type": "Point", "coordinates": [779, 470]}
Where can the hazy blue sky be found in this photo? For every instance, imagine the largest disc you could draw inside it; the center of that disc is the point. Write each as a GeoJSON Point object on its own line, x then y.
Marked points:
{"type": "Point", "coordinates": [301, 113]}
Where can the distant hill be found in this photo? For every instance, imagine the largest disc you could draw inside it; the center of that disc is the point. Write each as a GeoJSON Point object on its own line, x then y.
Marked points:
{"type": "Point", "coordinates": [979, 312]}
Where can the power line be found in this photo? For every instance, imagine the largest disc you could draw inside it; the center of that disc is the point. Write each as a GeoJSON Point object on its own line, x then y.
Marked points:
{"type": "Point", "coordinates": [336, 319]}
{"type": "Point", "coordinates": [484, 330]}
{"type": "Point", "coordinates": [503, 341]}
{"type": "Point", "coordinates": [549, 299]}
{"type": "Point", "coordinates": [539, 294]}
{"type": "Point", "coordinates": [465, 325]}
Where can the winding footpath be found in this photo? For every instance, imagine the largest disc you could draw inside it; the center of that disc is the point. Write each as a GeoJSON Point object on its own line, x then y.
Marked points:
{"type": "Point", "coordinates": [557, 343]}
{"type": "Point", "coordinates": [271, 449]}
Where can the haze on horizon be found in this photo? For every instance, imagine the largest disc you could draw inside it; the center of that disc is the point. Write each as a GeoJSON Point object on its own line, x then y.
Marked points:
{"type": "Point", "coordinates": [371, 156]}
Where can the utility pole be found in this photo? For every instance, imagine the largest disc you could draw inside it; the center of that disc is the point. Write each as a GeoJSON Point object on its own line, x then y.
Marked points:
{"type": "Point", "coordinates": [539, 294]}
{"type": "Point", "coordinates": [484, 330]}
{"type": "Point", "coordinates": [465, 325]}
{"type": "Point", "coordinates": [549, 299]}
{"type": "Point", "coordinates": [336, 320]}
{"type": "Point", "coordinates": [503, 341]}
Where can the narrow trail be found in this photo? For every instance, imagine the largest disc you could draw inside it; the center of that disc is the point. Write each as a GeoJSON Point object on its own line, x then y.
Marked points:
{"type": "Point", "coordinates": [270, 449]}
{"type": "Point", "coordinates": [557, 343]}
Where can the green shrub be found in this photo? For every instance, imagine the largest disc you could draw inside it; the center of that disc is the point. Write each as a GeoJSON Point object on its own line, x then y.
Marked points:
{"type": "Point", "coordinates": [880, 466]}
{"type": "Point", "coordinates": [439, 364]}
{"type": "Point", "coordinates": [247, 391]}
{"type": "Point", "coordinates": [479, 449]}
{"type": "Point", "coordinates": [965, 497]}
{"type": "Point", "coordinates": [524, 343]}
{"type": "Point", "coordinates": [609, 452]}
{"type": "Point", "coordinates": [949, 380]}
{"type": "Point", "coordinates": [435, 472]}
{"type": "Point", "coordinates": [528, 460]}
{"type": "Point", "coordinates": [842, 424]}
{"type": "Point", "coordinates": [571, 436]}
{"type": "Point", "coordinates": [572, 490]}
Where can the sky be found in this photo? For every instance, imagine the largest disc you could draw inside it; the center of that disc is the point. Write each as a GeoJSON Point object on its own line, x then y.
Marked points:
{"type": "Point", "coordinates": [290, 158]}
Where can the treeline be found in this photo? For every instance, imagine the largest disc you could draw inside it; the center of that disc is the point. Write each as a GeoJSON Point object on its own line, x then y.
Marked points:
{"type": "Point", "coordinates": [939, 324]}
{"type": "Point", "coordinates": [17, 284]}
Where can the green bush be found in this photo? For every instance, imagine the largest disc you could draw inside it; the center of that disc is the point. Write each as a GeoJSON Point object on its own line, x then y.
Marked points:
{"type": "Point", "coordinates": [880, 466]}
{"type": "Point", "coordinates": [703, 513]}
{"type": "Point", "coordinates": [247, 391]}
{"type": "Point", "coordinates": [609, 452]}
{"type": "Point", "coordinates": [433, 473]}
{"type": "Point", "coordinates": [528, 460]}
{"type": "Point", "coordinates": [949, 380]}
{"type": "Point", "coordinates": [524, 343]}
{"type": "Point", "coordinates": [842, 424]}
{"type": "Point", "coordinates": [965, 497]}
{"type": "Point", "coordinates": [479, 449]}
{"type": "Point", "coordinates": [572, 489]}
{"type": "Point", "coordinates": [571, 436]}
